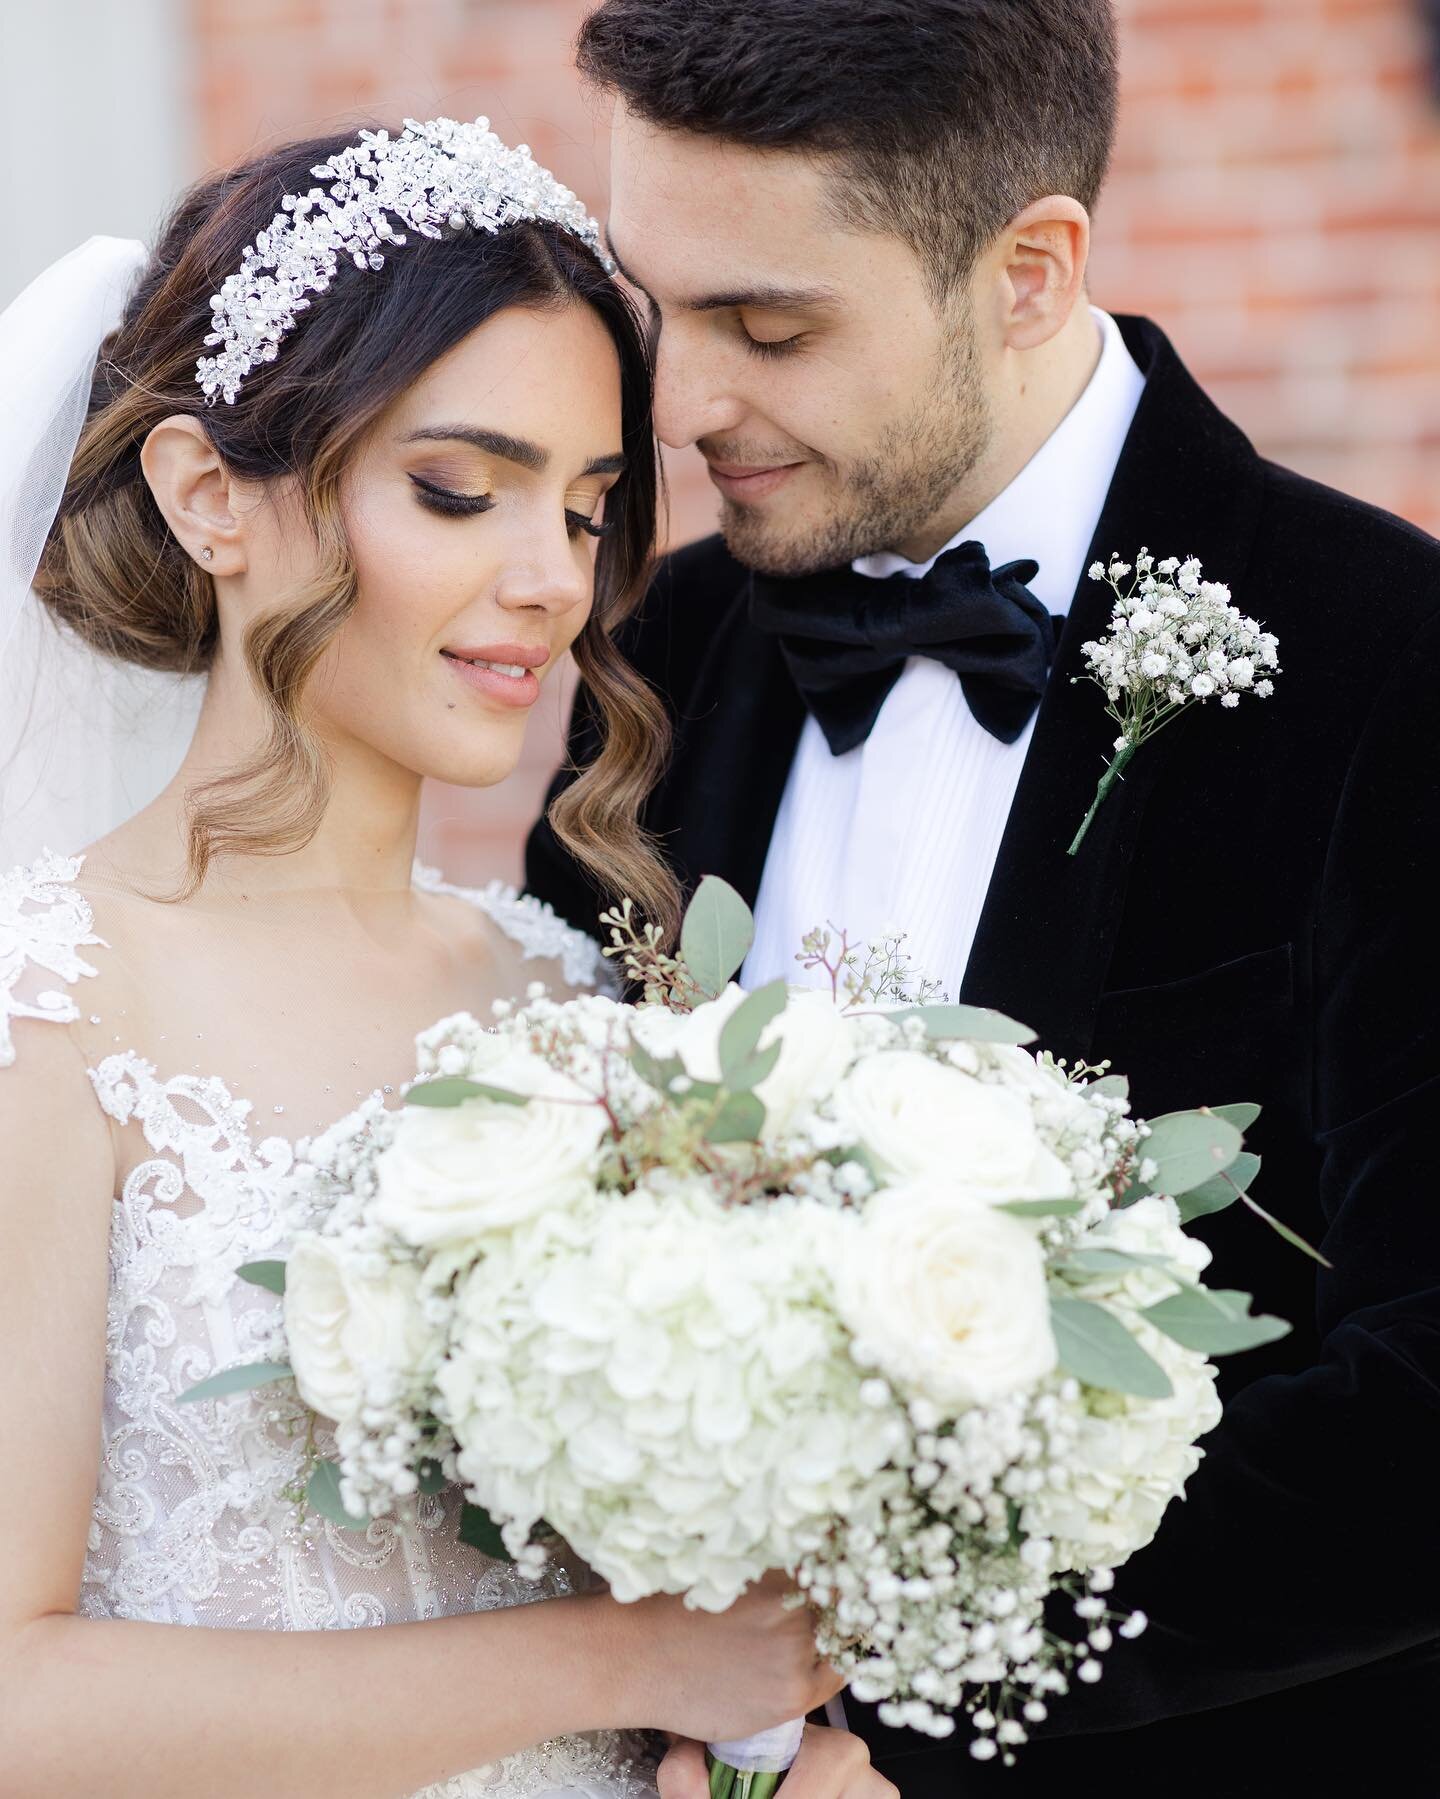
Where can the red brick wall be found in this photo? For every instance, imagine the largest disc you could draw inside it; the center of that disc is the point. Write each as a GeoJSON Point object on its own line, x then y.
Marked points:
{"type": "Point", "coordinates": [1275, 205]}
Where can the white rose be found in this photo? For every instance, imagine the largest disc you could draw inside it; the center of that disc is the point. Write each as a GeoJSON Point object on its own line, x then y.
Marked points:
{"type": "Point", "coordinates": [456, 1172]}
{"type": "Point", "coordinates": [817, 1045]}
{"type": "Point", "coordinates": [948, 1297]}
{"type": "Point", "coordinates": [919, 1116]}
{"type": "Point", "coordinates": [355, 1328]}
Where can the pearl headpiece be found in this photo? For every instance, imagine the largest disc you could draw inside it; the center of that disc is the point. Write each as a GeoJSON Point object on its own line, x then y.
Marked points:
{"type": "Point", "coordinates": [433, 176]}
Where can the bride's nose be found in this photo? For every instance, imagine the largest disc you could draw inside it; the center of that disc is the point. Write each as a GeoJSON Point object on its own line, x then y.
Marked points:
{"type": "Point", "coordinates": [546, 576]}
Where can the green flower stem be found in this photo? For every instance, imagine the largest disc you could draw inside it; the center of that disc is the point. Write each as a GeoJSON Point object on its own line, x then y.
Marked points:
{"type": "Point", "coordinates": [730, 1783]}
{"type": "Point", "coordinates": [1107, 781]}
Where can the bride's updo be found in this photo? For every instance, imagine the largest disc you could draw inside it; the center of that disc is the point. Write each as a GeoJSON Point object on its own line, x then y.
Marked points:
{"type": "Point", "coordinates": [113, 572]}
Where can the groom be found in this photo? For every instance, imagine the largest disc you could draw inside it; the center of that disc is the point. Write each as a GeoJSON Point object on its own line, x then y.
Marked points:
{"type": "Point", "coordinates": [861, 228]}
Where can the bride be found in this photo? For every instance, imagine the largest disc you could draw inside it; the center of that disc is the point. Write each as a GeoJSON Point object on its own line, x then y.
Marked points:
{"type": "Point", "coordinates": [419, 482]}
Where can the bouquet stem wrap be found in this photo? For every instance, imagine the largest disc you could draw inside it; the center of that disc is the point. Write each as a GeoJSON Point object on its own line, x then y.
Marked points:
{"type": "Point", "coordinates": [753, 1767]}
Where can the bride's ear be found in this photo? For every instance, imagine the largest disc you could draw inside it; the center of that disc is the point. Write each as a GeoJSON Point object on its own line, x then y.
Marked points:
{"type": "Point", "coordinates": [1041, 268]}
{"type": "Point", "coordinates": [196, 493]}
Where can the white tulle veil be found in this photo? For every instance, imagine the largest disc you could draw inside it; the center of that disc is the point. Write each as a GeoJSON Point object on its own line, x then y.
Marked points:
{"type": "Point", "coordinates": [84, 741]}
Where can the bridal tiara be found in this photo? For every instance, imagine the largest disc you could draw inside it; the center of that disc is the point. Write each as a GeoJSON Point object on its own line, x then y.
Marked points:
{"type": "Point", "coordinates": [443, 173]}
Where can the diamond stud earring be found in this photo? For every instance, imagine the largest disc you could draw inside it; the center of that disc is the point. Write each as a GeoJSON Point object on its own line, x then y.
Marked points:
{"type": "Point", "coordinates": [207, 554]}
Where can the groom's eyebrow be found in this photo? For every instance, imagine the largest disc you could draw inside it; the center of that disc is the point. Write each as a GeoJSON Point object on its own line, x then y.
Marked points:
{"type": "Point", "coordinates": [518, 450]}
{"type": "Point", "coordinates": [763, 296]}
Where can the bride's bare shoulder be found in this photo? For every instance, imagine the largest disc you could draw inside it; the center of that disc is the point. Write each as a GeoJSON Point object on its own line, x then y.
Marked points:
{"type": "Point", "coordinates": [530, 935]}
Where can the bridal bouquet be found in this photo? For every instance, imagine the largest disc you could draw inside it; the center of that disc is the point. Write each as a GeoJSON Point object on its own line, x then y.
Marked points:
{"type": "Point", "coordinates": [836, 1281]}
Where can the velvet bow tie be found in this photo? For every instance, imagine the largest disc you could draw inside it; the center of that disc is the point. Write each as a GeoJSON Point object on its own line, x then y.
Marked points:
{"type": "Point", "coordinates": [846, 638]}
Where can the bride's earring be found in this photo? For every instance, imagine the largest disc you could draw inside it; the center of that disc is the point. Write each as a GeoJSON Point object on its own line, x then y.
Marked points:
{"type": "Point", "coordinates": [207, 554]}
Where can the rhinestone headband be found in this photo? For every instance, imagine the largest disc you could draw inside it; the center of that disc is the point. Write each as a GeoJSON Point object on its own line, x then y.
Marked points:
{"type": "Point", "coordinates": [433, 176]}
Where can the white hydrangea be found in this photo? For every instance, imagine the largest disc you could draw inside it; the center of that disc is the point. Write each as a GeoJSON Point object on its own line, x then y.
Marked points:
{"type": "Point", "coordinates": [1127, 1457]}
{"type": "Point", "coordinates": [667, 1387]}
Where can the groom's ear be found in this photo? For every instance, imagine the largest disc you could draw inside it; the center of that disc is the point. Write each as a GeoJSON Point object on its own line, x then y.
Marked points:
{"type": "Point", "coordinates": [196, 493]}
{"type": "Point", "coordinates": [1039, 266]}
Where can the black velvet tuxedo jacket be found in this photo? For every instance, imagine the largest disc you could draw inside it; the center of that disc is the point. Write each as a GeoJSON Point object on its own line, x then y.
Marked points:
{"type": "Point", "coordinates": [1252, 917]}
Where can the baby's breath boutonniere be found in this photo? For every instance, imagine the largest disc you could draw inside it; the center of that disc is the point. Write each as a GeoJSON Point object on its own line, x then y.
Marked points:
{"type": "Point", "coordinates": [1174, 639]}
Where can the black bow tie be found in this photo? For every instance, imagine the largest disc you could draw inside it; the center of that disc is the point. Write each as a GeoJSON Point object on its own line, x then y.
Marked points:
{"type": "Point", "coordinates": [846, 637]}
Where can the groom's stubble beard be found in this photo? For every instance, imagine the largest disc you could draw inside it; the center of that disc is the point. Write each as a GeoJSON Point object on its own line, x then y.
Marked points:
{"type": "Point", "coordinates": [889, 496]}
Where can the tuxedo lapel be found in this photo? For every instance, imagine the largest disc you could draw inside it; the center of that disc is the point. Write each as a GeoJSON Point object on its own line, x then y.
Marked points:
{"type": "Point", "coordinates": [1187, 483]}
{"type": "Point", "coordinates": [735, 745]}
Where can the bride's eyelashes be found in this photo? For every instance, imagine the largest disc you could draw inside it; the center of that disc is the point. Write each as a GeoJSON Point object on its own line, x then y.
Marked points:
{"type": "Point", "coordinates": [450, 504]}
{"type": "Point", "coordinates": [445, 500]}
{"type": "Point", "coordinates": [577, 521]}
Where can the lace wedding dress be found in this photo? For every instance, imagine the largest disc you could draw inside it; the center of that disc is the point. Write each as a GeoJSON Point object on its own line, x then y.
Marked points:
{"type": "Point", "coordinates": [191, 1523]}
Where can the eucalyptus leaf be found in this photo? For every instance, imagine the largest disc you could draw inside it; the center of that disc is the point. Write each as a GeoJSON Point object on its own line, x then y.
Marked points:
{"type": "Point", "coordinates": [1113, 1086]}
{"type": "Point", "coordinates": [759, 1067]}
{"type": "Point", "coordinates": [741, 1119]}
{"type": "Point", "coordinates": [1188, 1148]}
{"type": "Point", "coordinates": [978, 1023]}
{"type": "Point", "coordinates": [716, 935]}
{"type": "Point", "coordinates": [741, 1033]}
{"type": "Point", "coordinates": [1097, 1349]}
{"type": "Point", "coordinates": [237, 1380]}
{"type": "Point", "coordinates": [656, 1072]}
{"type": "Point", "coordinates": [1040, 1208]}
{"type": "Point", "coordinates": [1109, 1261]}
{"type": "Point", "coordinates": [1215, 1321]}
{"type": "Point", "coordinates": [1221, 1191]}
{"type": "Point", "coordinates": [1242, 1114]}
{"type": "Point", "coordinates": [451, 1090]}
{"type": "Point", "coordinates": [270, 1275]}
{"type": "Point", "coordinates": [324, 1494]}
{"type": "Point", "coordinates": [480, 1531]}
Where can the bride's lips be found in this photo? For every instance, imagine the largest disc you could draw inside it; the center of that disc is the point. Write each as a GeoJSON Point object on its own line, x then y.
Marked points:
{"type": "Point", "coordinates": [501, 671]}
{"type": "Point", "coordinates": [738, 482]}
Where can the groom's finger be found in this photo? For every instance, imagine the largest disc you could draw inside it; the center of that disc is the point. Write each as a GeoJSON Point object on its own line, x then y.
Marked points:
{"type": "Point", "coordinates": [683, 1774]}
{"type": "Point", "coordinates": [834, 1764]}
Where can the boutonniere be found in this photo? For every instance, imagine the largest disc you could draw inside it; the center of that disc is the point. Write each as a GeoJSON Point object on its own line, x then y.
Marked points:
{"type": "Point", "coordinates": [1174, 640]}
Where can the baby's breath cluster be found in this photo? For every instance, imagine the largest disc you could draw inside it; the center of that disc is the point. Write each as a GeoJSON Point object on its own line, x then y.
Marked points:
{"type": "Point", "coordinates": [1174, 638]}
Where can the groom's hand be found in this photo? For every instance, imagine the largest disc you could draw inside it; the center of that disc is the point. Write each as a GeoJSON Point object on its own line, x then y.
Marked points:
{"type": "Point", "coordinates": [832, 1764]}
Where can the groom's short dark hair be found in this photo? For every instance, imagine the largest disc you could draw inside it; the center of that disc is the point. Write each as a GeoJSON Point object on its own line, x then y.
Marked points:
{"type": "Point", "coordinates": [947, 117]}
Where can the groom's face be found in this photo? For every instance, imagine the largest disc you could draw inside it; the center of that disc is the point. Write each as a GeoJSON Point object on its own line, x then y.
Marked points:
{"type": "Point", "coordinates": [835, 404]}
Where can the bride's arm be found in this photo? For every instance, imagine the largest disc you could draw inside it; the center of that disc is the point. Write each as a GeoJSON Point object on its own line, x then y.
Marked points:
{"type": "Point", "coordinates": [122, 1708]}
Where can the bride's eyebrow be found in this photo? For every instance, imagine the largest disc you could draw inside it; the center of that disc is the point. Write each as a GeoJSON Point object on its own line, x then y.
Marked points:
{"type": "Point", "coordinates": [518, 450]}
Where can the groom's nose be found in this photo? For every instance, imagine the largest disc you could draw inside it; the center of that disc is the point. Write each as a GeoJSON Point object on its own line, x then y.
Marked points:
{"type": "Point", "coordinates": [692, 397]}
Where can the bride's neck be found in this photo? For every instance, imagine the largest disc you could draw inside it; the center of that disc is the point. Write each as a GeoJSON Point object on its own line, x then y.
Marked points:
{"type": "Point", "coordinates": [365, 841]}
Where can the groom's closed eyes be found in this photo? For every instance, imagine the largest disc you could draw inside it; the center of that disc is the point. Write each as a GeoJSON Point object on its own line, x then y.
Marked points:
{"type": "Point", "coordinates": [752, 302]}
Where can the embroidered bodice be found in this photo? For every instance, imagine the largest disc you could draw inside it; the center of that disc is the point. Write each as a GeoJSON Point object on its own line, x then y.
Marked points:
{"type": "Point", "coordinates": [195, 1519]}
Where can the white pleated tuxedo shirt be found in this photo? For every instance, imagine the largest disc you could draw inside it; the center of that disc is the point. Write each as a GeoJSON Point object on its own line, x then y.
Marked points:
{"type": "Point", "coordinates": [903, 831]}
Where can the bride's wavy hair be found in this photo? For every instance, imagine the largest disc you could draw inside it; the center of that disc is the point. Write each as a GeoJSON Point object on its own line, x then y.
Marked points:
{"type": "Point", "coordinates": [113, 572]}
